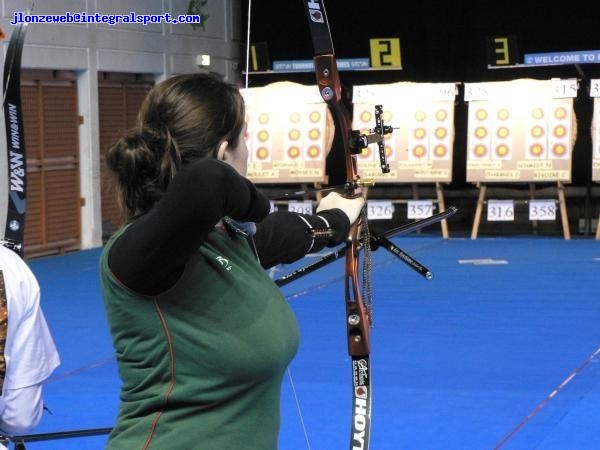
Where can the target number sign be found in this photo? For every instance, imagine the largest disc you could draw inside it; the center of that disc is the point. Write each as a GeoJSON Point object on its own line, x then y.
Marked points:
{"type": "Point", "coordinates": [302, 207]}
{"type": "Point", "coordinates": [379, 209]}
{"type": "Point", "coordinates": [500, 210]}
{"type": "Point", "coordinates": [419, 209]}
{"type": "Point", "coordinates": [542, 209]}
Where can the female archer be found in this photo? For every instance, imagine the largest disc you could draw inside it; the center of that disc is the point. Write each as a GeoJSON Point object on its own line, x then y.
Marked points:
{"type": "Point", "coordinates": [202, 334]}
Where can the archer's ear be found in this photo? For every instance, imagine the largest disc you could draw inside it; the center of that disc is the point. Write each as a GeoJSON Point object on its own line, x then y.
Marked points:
{"type": "Point", "coordinates": [221, 152]}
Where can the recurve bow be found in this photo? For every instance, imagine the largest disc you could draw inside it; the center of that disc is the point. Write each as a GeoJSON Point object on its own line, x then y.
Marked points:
{"type": "Point", "coordinates": [358, 311]}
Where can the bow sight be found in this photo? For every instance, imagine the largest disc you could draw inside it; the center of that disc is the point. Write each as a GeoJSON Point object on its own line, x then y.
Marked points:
{"type": "Point", "coordinates": [359, 141]}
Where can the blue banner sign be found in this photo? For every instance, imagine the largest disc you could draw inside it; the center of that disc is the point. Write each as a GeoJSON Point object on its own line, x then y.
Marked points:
{"type": "Point", "coordinates": [562, 58]}
{"type": "Point", "coordinates": [306, 65]}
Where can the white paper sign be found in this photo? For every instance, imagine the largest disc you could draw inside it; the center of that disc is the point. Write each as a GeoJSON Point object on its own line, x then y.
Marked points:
{"type": "Point", "coordinates": [302, 207]}
{"type": "Point", "coordinates": [500, 210]}
{"type": "Point", "coordinates": [379, 209]}
{"type": "Point", "coordinates": [542, 209]}
{"type": "Point", "coordinates": [419, 209]}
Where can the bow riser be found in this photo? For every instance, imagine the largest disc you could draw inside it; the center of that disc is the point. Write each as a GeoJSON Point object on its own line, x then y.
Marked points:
{"type": "Point", "coordinates": [331, 91]}
{"type": "Point", "coordinates": [357, 316]}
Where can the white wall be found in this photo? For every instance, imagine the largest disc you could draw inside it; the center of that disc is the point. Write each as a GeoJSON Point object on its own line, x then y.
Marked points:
{"type": "Point", "coordinates": [158, 49]}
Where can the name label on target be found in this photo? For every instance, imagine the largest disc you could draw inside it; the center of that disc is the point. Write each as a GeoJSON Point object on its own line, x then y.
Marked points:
{"type": "Point", "coordinates": [302, 207]}
{"type": "Point", "coordinates": [500, 210]}
{"type": "Point", "coordinates": [419, 209]}
{"type": "Point", "coordinates": [379, 209]}
{"type": "Point", "coordinates": [542, 209]}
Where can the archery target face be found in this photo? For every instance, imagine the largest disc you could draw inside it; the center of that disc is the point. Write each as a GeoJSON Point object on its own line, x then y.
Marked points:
{"type": "Point", "coordinates": [290, 132]}
{"type": "Point", "coordinates": [420, 148]}
{"type": "Point", "coordinates": [519, 133]}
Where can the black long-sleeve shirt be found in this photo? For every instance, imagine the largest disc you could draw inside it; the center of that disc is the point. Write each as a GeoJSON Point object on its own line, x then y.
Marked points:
{"type": "Point", "coordinates": [198, 197]}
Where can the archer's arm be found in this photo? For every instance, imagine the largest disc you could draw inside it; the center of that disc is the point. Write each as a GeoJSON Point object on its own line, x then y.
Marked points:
{"type": "Point", "coordinates": [151, 255]}
{"type": "Point", "coordinates": [284, 237]}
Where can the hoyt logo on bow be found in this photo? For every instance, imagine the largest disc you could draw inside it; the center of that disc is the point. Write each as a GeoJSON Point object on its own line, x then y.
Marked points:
{"type": "Point", "coordinates": [361, 404]}
{"type": "Point", "coordinates": [314, 9]}
{"type": "Point", "coordinates": [360, 418]}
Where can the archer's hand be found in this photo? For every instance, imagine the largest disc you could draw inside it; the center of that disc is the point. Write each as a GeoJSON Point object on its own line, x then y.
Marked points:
{"type": "Point", "coordinates": [349, 206]}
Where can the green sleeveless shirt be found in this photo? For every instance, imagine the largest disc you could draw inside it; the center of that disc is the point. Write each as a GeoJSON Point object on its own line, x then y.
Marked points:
{"type": "Point", "coordinates": [201, 364]}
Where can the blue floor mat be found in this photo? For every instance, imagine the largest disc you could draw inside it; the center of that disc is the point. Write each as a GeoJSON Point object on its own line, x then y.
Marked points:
{"type": "Point", "coordinates": [496, 351]}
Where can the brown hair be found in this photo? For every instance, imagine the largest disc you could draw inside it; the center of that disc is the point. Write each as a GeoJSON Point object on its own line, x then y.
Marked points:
{"type": "Point", "coordinates": [181, 120]}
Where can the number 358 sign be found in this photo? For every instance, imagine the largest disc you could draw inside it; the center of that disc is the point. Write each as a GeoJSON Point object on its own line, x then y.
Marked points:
{"type": "Point", "coordinates": [542, 209]}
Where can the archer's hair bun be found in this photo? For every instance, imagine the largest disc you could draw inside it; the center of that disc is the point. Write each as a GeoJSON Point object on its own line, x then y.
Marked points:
{"type": "Point", "coordinates": [131, 157]}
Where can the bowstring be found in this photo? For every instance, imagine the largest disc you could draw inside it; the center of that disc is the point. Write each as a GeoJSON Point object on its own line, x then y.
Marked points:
{"type": "Point", "coordinates": [248, 42]}
{"type": "Point", "coordinates": [299, 408]}
{"type": "Point", "coordinates": [272, 272]}
{"type": "Point", "coordinates": [367, 265]}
